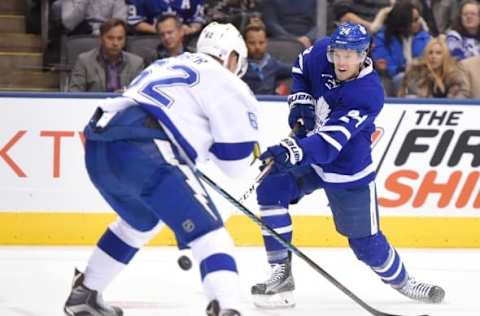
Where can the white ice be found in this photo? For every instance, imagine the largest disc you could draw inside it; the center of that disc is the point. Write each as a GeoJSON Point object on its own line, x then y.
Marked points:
{"type": "Point", "coordinates": [34, 281]}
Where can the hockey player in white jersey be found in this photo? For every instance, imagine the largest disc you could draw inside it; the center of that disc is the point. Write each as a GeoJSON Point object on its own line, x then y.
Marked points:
{"type": "Point", "coordinates": [136, 150]}
{"type": "Point", "coordinates": [337, 95]}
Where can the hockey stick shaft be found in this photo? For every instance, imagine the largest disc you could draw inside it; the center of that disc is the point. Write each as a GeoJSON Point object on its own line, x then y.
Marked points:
{"type": "Point", "coordinates": [198, 173]}
{"type": "Point", "coordinates": [290, 246]}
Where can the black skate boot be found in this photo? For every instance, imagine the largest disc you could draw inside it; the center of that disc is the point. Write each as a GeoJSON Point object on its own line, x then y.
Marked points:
{"type": "Point", "coordinates": [421, 291]}
{"type": "Point", "coordinates": [277, 291]}
{"type": "Point", "coordinates": [213, 309]}
{"type": "Point", "coordinates": [85, 302]}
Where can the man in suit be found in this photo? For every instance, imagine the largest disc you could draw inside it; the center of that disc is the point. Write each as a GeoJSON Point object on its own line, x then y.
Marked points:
{"type": "Point", "coordinates": [106, 68]}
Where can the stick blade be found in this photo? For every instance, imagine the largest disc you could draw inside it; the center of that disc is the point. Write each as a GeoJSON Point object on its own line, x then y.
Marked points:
{"type": "Point", "coordinates": [378, 313]}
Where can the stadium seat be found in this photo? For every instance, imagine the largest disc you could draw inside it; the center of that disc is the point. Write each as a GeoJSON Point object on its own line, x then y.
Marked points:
{"type": "Point", "coordinates": [143, 45]}
{"type": "Point", "coordinates": [284, 50]}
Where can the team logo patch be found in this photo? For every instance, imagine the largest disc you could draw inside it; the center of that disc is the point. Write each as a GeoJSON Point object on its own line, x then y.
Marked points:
{"type": "Point", "coordinates": [188, 225]}
{"type": "Point", "coordinates": [322, 110]}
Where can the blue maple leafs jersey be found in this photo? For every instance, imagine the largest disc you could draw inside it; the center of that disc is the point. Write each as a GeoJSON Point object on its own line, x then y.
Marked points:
{"type": "Point", "coordinates": [190, 11]}
{"type": "Point", "coordinates": [339, 148]}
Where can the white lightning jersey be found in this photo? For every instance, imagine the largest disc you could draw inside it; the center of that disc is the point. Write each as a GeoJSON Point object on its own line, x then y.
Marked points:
{"type": "Point", "coordinates": [207, 108]}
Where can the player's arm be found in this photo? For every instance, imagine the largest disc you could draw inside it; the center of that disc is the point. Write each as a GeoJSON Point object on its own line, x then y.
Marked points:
{"type": "Point", "coordinates": [324, 145]}
{"type": "Point", "coordinates": [300, 101]}
{"type": "Point", "coordinates": [234, 129]}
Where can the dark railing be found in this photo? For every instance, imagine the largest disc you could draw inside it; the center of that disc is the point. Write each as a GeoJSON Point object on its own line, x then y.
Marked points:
{"type": "Point", "coordinates": [45, 15]}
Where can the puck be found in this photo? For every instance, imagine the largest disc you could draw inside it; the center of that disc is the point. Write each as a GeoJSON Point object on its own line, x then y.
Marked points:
{"type": "Point", "coordinates": [184, 262]}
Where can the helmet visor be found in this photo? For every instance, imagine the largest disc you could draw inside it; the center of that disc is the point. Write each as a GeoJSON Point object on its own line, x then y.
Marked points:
{"type": "Point", "coordinates": [345, 56]}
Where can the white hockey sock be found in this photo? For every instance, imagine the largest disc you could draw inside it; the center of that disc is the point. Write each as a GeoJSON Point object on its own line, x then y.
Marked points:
{"type": "Point", "coordinates": [219, 283]}
{"type": "Point", "coordinates": [224, 286]}
{"type": "Point", "coordinates": [101, 270]}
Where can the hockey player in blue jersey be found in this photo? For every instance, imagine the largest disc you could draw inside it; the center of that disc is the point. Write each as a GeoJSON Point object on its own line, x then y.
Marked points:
{"type": "Point", "coordinates": [336, 95]}
{"type": "Point", "coordinates": [136, 150]}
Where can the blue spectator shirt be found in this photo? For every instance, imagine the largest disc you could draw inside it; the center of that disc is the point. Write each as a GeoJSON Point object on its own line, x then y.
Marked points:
{"type": "Point", "coordinates": [393, 54]}
{"type": "Point", "coordinates": [190, 11]}
{"type": "Point", "coordinates": [262, 77]}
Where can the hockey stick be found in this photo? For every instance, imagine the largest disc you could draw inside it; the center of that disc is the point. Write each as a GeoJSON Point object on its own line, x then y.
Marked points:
{"type": "Point", "coordinates": [198, 173]}
{"type": "Point", "coordinates": [291, 247]}
{"type": "Point", "coordinates": [252, 188]}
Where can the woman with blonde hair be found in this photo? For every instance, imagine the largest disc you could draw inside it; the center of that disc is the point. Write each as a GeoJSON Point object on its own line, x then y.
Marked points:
{"type": "Point", "coordinates": [435, 75]}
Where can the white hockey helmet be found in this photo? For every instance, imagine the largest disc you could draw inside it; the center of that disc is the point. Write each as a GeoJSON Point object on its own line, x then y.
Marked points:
{"type": "Point", "coordinates": [219, 40]}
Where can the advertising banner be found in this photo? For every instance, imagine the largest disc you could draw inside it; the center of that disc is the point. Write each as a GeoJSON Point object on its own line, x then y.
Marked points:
{"type": "Point", "coordinates": [426, 156]}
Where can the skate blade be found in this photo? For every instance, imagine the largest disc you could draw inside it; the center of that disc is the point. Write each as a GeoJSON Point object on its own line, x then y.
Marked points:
{"type": "Point", "coordinates": [274, 301]}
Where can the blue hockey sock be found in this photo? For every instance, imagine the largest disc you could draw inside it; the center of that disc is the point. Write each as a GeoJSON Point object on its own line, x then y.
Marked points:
{"type": "Point", "coordinates": [280, 221]}
{"type": "Point", "coordinates": [381, 257]}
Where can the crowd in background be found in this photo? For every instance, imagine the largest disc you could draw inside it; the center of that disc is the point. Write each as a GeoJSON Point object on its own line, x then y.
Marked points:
{"type": "Point", "coordinates": [420, 48]}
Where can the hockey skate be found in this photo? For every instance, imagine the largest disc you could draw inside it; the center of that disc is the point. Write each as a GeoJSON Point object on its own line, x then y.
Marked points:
{"type": "Point", "coordinates": [213, 309]}
{"type": "Point", "coordinates": [277, 291]}
{"type": "Point", "coordinates": [85, 302]}
{"type": "Point", "coordinates": [421, 291]}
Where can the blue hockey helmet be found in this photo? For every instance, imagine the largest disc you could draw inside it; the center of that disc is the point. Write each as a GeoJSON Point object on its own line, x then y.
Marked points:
{"type": "Point", "coordinates": [349, 36]}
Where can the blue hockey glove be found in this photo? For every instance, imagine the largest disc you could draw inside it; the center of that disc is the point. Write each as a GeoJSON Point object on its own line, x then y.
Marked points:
{"type": "Point", "coordinates": [285, 155]}
{"type": "Point", "coordinates": [302, 108]}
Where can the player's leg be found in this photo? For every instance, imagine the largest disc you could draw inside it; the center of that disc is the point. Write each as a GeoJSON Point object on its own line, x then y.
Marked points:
{"type": "Point", "coordinates": [190, 213]}
{"type": "Point", "coordinates": [119, 243]}
{"type": "Point", "coordinates": [355, 213]}
{"type": "Point", "coordinates": [274, 195]}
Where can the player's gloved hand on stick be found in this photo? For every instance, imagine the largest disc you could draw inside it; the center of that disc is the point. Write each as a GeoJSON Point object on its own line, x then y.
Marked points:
{"type": "Point", "coordinates": [285, 155]}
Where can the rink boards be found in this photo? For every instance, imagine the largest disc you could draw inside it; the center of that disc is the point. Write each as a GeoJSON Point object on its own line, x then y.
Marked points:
{"type": "Point", "coordinates": [427, 154]}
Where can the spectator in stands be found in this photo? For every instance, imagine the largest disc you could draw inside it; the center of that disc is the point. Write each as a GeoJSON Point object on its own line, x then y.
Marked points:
{"type": "Point", "coordinates": [400, 41]}
{"type": "Point", "coordinates": [291, 20]}
{"type": "Point", "coordinates": [438, 14]}
{"type": "Point", "coordinates": [464, 38]}
{"type": "Point", "coordinates": [368, 13]}
{"type": "Point", "coordinates": [238, 12]}
{"type": "Point", "coordinates": [86, 16]}
{"type": "Point", "coordinates": [264, 72]}
{"type": "Point", "coordinates": [142, 14]}
{"type": "Point", "coordinates": [472, 66]}
{"type": "Point", "coordinates": [435, 75]}
{"type": "Point", "coordinates": [170, 31]}
{"type": "Point", "coordinates": [107, 68]}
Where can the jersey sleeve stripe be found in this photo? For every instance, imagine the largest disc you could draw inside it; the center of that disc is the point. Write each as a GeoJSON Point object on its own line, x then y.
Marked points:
{"type": "Point", "coordinates": [297, 70]}
{"type": "Point", "coordinates": [343, 178]}
{"type": "Point", "coordinates": [232, 151]}
{"type": "Point", "coordinates": [336, 128]}
{"type": "Point", "coordinates": [331, 141]}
